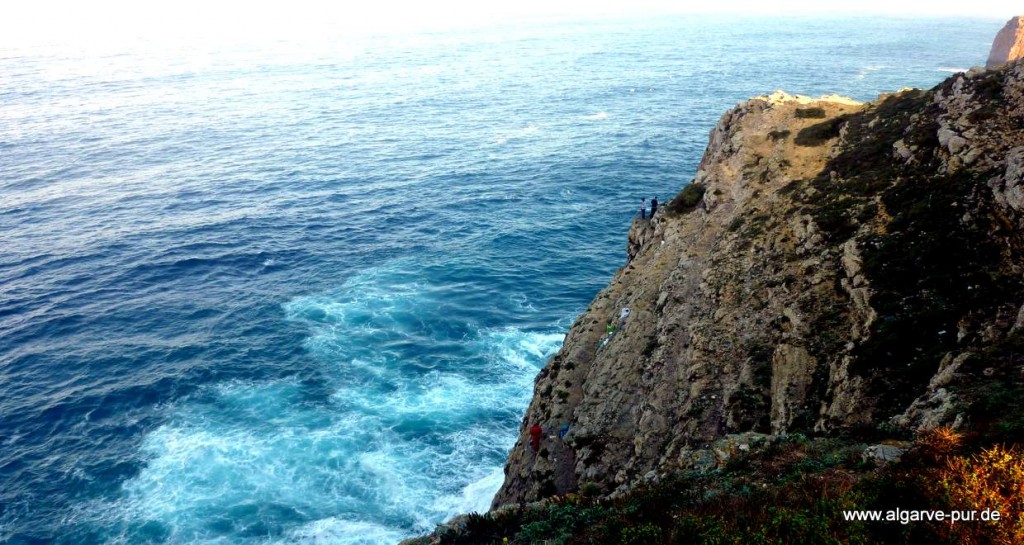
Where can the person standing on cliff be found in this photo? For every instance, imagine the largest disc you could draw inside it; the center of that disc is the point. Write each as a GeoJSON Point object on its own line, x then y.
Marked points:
{"type": "Point", "coordinates": [643, 208]}
{"type": "Point", "coordinates": [535, 433]}
{"type": "Point", "coordinates": [654, 206]}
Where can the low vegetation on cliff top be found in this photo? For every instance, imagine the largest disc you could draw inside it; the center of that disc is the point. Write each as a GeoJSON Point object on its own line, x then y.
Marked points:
{"type": "Point", "coordinates": [799, 491]}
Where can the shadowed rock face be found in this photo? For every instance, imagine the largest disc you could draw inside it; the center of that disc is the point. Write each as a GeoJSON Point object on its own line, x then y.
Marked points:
{"type": "Point", "coordinates": [842, 263]}
{"type": "Point", "coordinates": [1008, 45]}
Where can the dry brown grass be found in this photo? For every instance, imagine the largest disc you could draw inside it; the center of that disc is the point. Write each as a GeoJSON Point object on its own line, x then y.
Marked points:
{"type": "Point", "coordinates": [992, 479]}
{"type": "Point", "coordinates": [939, 442]}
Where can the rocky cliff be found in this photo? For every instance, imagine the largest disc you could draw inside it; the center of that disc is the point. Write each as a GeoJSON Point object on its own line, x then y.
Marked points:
{"type": "Point", "coordinates": [1008, 45]}
{"type": "Point", "coordinates": [834, 266]}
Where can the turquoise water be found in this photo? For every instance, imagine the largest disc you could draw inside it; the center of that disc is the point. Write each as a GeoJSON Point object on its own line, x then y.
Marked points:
{"type": "Point", "coordinates": [297, 292]}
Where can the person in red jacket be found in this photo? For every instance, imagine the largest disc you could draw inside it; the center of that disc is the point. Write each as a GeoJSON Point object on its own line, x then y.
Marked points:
{"type": "Point", "coordinates": [535, 433]}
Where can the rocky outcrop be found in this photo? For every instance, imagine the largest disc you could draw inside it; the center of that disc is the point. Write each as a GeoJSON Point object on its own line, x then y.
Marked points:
{"type": "Point", "coordinates": [832, 267]}
{"type": "Point", "coordinates": [1008, 45]}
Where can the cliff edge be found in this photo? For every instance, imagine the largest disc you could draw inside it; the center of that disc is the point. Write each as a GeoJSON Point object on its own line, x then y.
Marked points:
{"type": "Point", "coordinates": [1008, 45]}
{"type": "Point", "coordinates": [833, 267]}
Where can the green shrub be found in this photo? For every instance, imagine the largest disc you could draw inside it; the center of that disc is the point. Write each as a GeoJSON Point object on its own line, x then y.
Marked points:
{"type": "Point", "coordinates": [590, 489]}
{"type": "Point", "coordinates": [687, 199]}
{"type": "Point", "coordinates": [810, 113]}
{"type": "Point", "coordinates": [645, 534]}
{"type": "Point", "coordinates": [561, 522]}
{"type": "Point", "coordinates": [819, 133]}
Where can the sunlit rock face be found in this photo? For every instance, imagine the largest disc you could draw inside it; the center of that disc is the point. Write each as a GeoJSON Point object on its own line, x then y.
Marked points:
{"type": "Point", "coordinates": [1008, 45]}
{"type": "Point", "coordinates": [834, 266]}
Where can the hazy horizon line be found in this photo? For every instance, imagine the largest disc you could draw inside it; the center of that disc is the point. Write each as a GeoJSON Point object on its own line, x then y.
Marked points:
{"type": "Point", "coordinates": [36, 26]}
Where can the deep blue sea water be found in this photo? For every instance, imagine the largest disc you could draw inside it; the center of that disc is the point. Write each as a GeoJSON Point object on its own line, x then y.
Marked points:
{"type": "Point", "coordinates": [297, 291]}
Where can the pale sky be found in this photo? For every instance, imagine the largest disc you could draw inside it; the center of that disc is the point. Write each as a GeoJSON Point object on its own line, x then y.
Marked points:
{"type": "Point", "coordinates": [88, 22]}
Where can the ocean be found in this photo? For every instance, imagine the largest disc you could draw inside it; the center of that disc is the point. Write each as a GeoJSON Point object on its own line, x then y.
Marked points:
{"type": "Point", "coordinates": [297, 291]}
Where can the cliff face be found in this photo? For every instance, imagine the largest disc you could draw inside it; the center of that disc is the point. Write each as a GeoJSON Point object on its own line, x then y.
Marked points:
{"type": "Point", "coordinates": [842, 268]}
{"type": "Point", "coordinates": [1008, 45]}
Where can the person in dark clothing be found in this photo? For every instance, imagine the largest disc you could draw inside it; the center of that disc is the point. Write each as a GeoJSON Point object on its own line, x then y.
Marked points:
{"type": "Point", "coordinates": [654, 206]}
{"type": "Point", "coordinates": [535, 433]}
{"type": "Point", "coordinates": [643, 209]}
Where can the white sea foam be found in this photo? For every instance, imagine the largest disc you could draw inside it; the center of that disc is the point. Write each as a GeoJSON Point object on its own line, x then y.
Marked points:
{"type": "Point", "coordinates": [951, 70]}
{"type": "Point", "coordinates": [395, 450]}
{"type": "Point", "coordinates": [523, 350]}
{"type": "Point", "coordinates": [340, 531]}
{"type": "Point", "coordinates": [514, 134]}
{"type": "Point", "coordinates": [475, 497]}
{"type": "Point", "coordinates": [863, 73]}
{"type": "Point", "coordinates": [598, 115]}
